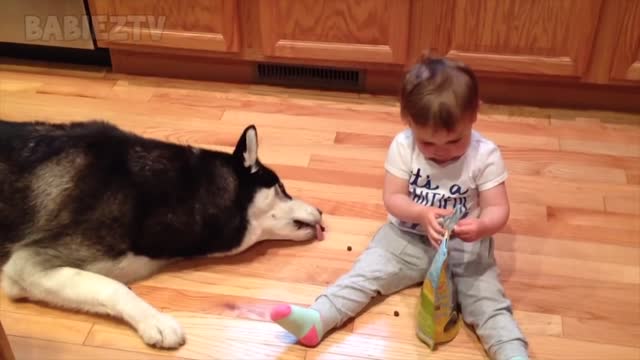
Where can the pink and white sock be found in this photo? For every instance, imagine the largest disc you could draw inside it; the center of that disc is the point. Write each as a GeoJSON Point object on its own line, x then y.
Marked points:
{"type": "Point", "coordinates": [303, 323]}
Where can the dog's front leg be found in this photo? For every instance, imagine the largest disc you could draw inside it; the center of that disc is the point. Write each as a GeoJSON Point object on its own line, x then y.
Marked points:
{"type": "Point", "coordinates": [86, 291]}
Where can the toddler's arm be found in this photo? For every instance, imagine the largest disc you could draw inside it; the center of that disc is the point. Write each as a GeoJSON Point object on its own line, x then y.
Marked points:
{"type": "Point", "coordinates": [494, 214]}
{"type": "Point", "coordinates": [396, 200]}
{"type": "Point", "coordinates": [494, 207]}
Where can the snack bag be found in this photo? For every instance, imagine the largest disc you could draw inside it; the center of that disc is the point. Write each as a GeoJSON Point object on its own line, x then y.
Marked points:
{"type": "Point", "coordinates": [438, 317]}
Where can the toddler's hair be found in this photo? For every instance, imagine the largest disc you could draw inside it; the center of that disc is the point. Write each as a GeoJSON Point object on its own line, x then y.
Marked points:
{"type": "Point", "coordinates": [438, 93]}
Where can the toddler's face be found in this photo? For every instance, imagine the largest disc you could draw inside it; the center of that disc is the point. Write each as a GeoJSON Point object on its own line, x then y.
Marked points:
{"type": "Point", "coordinates": [441, 146]}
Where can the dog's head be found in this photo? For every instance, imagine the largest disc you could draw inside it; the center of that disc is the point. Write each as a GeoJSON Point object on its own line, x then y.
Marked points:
{"type": "Point", "coordinates": [273, 213]}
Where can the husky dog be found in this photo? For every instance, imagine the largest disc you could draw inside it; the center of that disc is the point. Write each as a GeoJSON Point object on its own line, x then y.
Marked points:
{"type": "Point", "coordinates": [86, 208]}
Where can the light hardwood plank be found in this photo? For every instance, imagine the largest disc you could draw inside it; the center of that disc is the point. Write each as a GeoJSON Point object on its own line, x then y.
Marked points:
{"type": "Point", "coordinates": [597, 147]}
{"type": "Point", "coordinates": [542, 158]}
{"type": "Point", "coordinates": [33, 349]}
{"type": "Point", "coordinates": [319, 355]}
{"type": "Point", "coordinates": [559, 170]}
{"type": "Point", "coordinates": [582, 233]}
{"type": "Point", "coordinates": [569, 257]}
{"type": "Point", "coordinates": [360, 166]}
{"type": "Point", "coordinates": [10, 85]}
{"type": "Point", "coordinates": [587, 217]}
{"type": "Point", "coordinates": [70, 331]}
{"type": "Point", "coordinates": [569, 249]}
{"type": "Point", "coordinates": [234, 338]}
{"type": "Point", "coordinates": [623, 204]}
{"type": "Point", "coordinates": [573, 296]}
{"type": "Point", "coordinates": [601, 136]}
{"type": "Point", "coordinates": [633, 176]}
{"type": "Point", "coordinates": [601, 331]}
{"type": "Point", "coordinates": [555, 348]}
{"type": "Point", "coordinates": [549, 266]}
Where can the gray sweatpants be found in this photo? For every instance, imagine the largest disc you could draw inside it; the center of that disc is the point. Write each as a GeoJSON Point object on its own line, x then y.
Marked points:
{"type": "Point", "coordinates": [397, 259]}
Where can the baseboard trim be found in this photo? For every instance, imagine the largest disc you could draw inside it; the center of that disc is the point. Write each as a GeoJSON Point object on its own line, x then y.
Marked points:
{"type": "Point", "coordinates": [560, 94]}
{"type": "Point", "coordinates": [181, 66]}
{"type": "Point", "coordinates": [494, 89]}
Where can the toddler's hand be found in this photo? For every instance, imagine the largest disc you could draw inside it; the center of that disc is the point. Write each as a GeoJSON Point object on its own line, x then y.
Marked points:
{"type": "Point", "coordinates": [431, 225]}
{"type": "Point", "coordinates": [469, 229]}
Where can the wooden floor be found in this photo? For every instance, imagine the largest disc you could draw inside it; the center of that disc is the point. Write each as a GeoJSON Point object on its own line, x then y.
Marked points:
{"type": "Point", "coordinates": [570, 255]}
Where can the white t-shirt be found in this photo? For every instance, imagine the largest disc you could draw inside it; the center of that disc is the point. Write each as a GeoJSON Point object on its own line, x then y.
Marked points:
{"type": "Point", "coordinates": [447, 185]}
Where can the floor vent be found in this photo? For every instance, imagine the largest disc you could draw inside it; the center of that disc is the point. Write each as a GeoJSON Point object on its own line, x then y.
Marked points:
{"type": "Point", "coordinates": [309, 76]}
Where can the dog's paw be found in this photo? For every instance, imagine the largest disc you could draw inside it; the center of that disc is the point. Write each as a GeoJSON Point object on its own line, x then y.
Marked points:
{"type": "Point", "coordinates": [162, 331]}
{"type": "Point", "coordinates": [12, 289]}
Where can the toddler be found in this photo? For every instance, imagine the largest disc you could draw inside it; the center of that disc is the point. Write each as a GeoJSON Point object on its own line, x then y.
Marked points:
{"type": "Point", "coordinates": [438, 162]}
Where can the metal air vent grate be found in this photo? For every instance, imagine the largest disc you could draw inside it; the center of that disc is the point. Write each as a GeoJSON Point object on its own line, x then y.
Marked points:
{"type": "Point", "coordinates": [309, 76]}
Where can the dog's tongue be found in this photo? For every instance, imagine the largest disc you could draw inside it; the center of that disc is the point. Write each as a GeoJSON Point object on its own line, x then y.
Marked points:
{"type": "Point", "coordinates": [319, 232]}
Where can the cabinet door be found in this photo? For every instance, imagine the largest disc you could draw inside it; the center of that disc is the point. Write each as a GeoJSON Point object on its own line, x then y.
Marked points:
{"type": "Point", "coordinates": [550, 37]}
{"type": "Point", "coordinates": [210, 25]}
{"type": "Point", "coordinates": [342, 30]}
{"type": "Point", "coordinates": [626, 56]}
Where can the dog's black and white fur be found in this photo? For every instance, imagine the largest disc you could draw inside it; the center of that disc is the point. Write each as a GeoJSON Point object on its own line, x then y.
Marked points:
{"type": "Point", "coordinates": [86, 208]}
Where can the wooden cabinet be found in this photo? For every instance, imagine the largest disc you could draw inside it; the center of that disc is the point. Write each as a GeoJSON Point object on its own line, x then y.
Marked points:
{"type": "Point", "coordinates": [208, 25]}
{"type": "Point", "coordinates": [343, 30]}
{"type": "Point", "coordinates": [586, 46]}
{"type": "Point", "coordinates": [626, 55]}
{"type": "Point", "coordinates": [615, 57]}
{"type": "Point", "coordinates": [549, 37]}
{"type": "Point", "coordinates": [595, 41]}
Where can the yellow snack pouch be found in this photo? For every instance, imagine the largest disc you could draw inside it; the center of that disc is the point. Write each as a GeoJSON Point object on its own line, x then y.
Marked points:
{"type": "Point", "coordinates": [439, 320]}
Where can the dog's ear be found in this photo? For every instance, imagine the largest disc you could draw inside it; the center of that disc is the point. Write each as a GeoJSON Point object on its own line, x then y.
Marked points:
{"type": "Point", "coordinates": [246, 149]}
